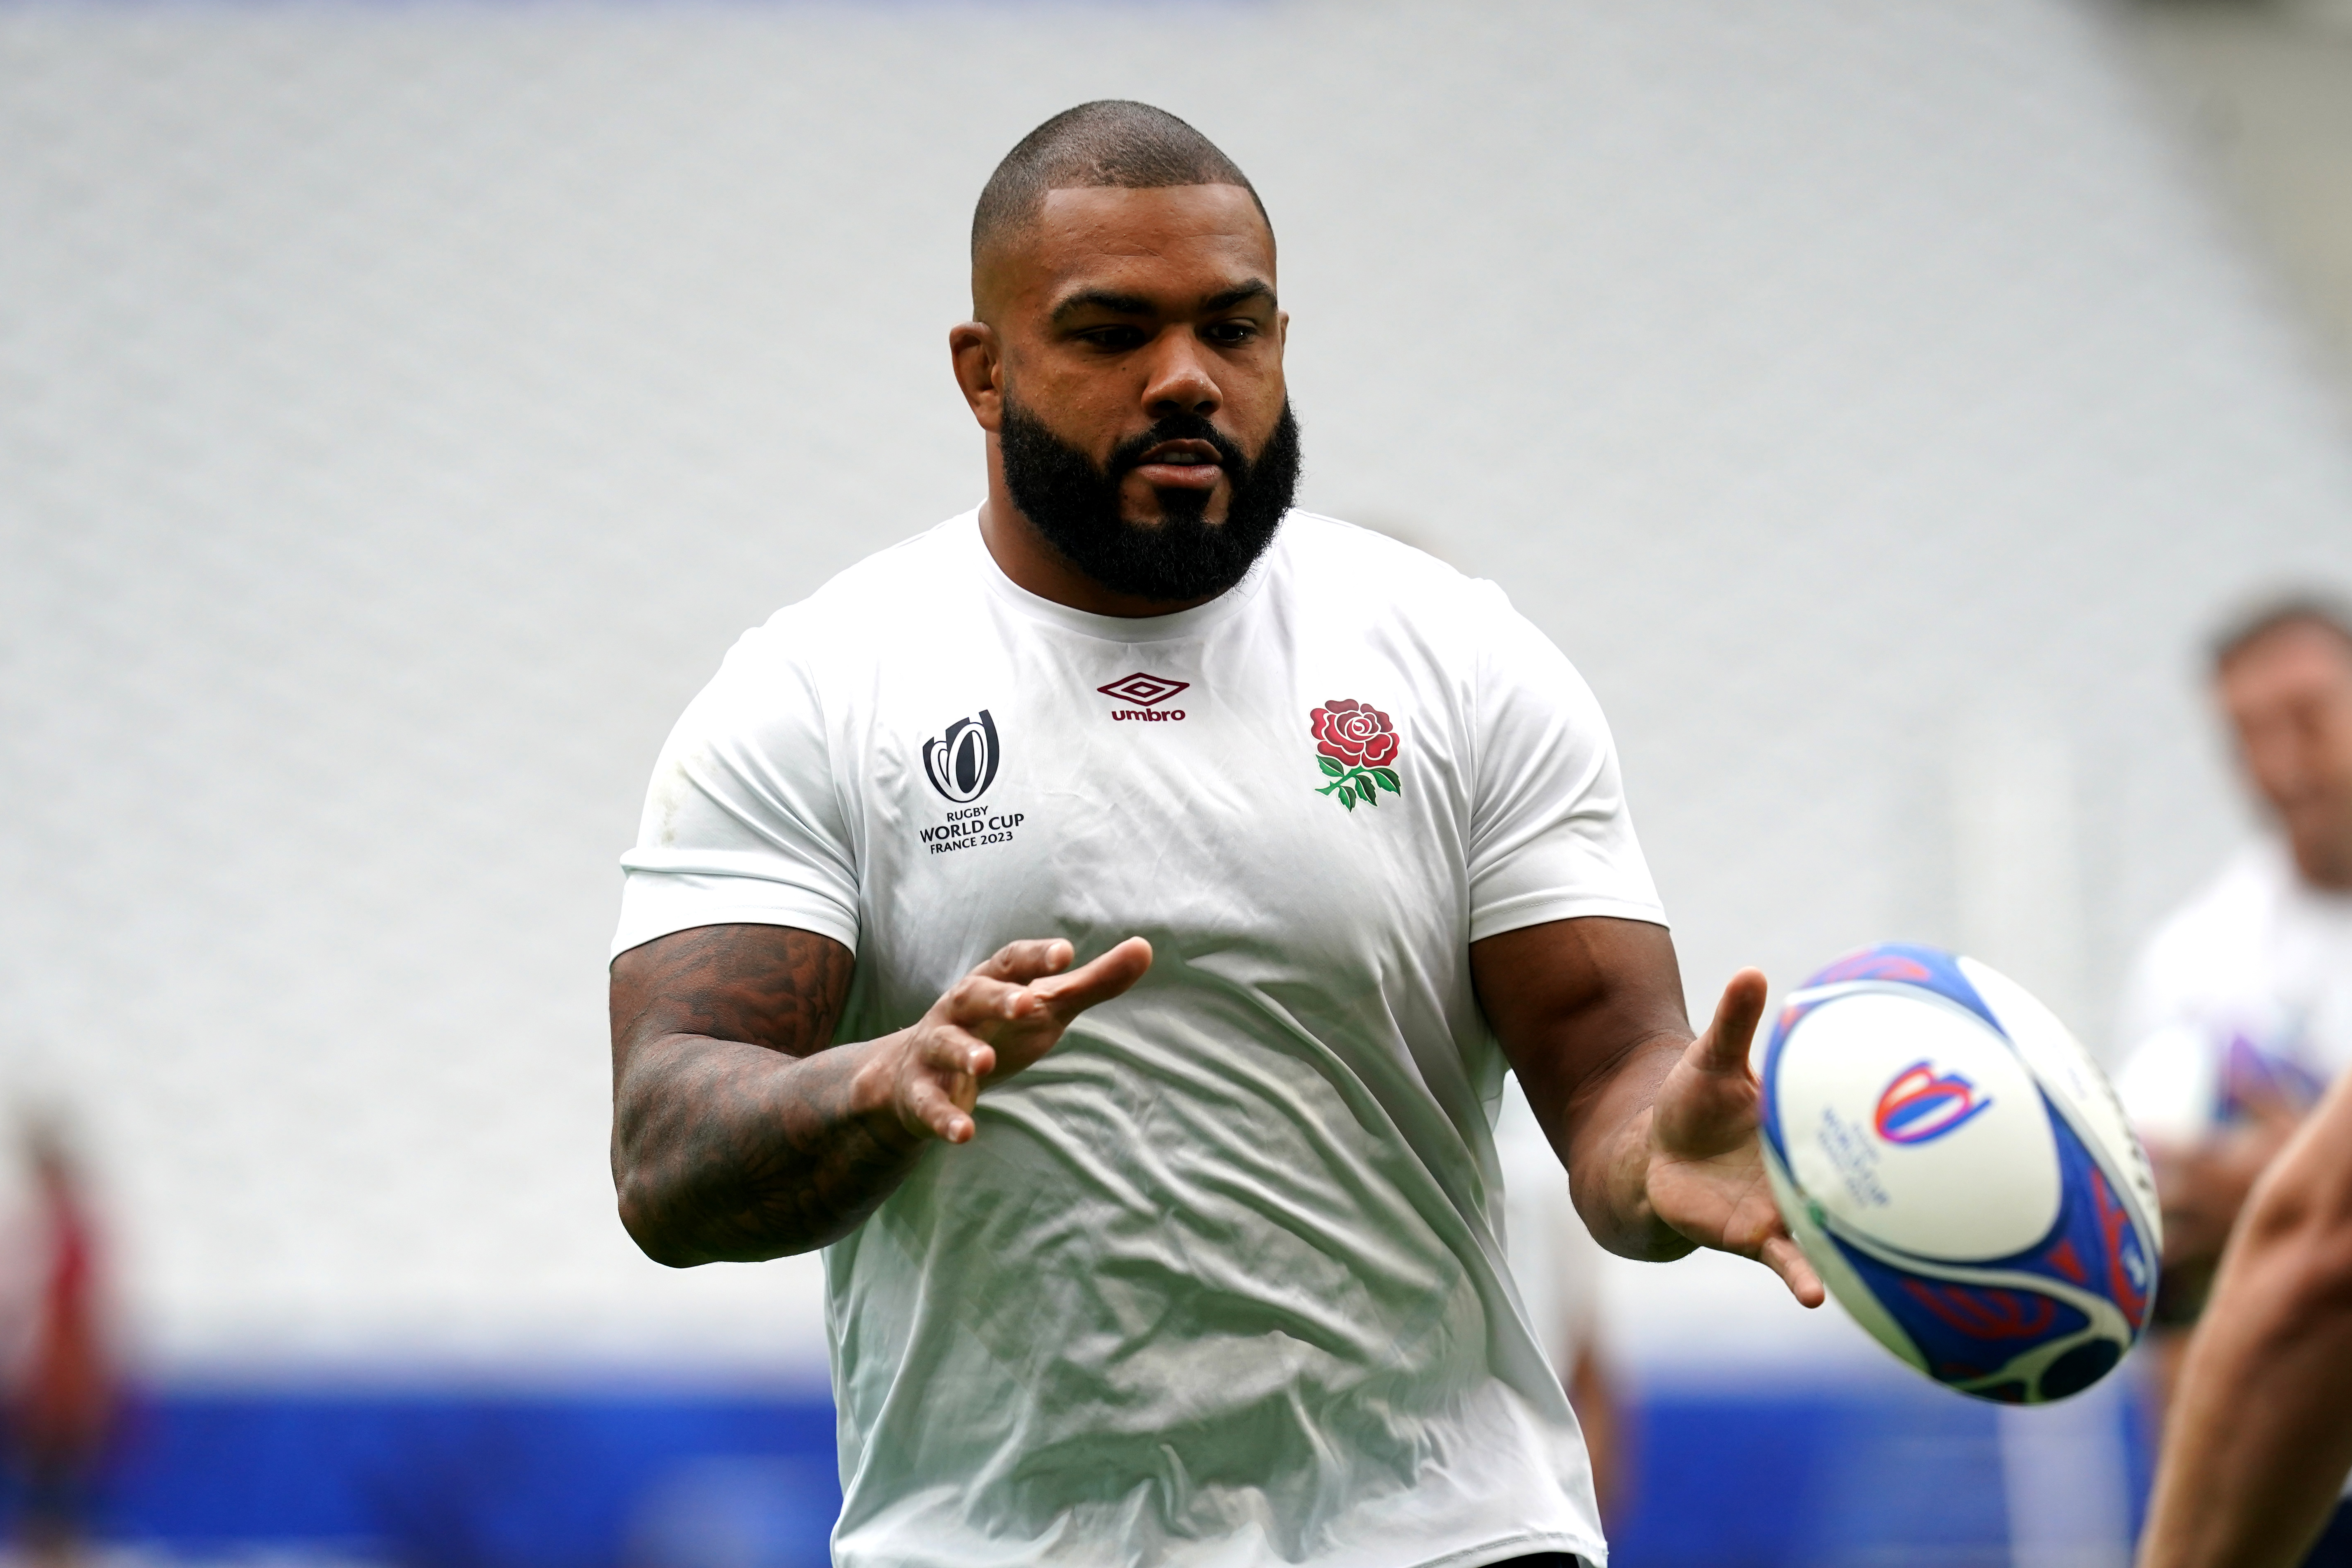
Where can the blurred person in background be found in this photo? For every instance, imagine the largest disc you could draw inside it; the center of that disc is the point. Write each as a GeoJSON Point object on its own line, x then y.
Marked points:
{"type": "Point", "coordinates": [2260, 1433]}
{"type": "Point", "coordinates": [1186, 1253]}
{"type": "Point", "coordinates": [2239, 1012]}
{"type": "Point", "coordinates": [62, 1403]}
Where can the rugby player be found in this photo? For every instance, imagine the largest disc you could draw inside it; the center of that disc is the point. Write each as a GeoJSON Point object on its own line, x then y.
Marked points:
{"type": "Point", "coordinates": [1103, 923]}
{"type": "Point", "coordinates": [2240, 1009]}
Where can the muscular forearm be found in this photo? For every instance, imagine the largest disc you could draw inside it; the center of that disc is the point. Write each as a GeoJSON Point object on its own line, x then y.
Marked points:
{"type": "Point", "coordinates": [2261, 1432]}
{"type": "Point", "coordinates": [728, 1152]}
{"type": "Point", "coordinates": [2249, 1493]}
{"type": "Point", "coordinates": [1609, 1150]}
{"type": "Point", "coordinates": [1659, 1129]}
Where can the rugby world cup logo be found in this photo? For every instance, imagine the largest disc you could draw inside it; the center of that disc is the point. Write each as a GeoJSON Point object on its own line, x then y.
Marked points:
{"type": "Point", "coordinates": [961, 764]}
{"type": "Point", "coordinates": [1922, 1105]}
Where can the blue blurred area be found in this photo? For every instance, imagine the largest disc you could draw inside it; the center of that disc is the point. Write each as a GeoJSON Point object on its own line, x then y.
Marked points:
{"type": "Point", "coordinates": [1823, 1475]}
{"type": "Point", "coordinates": [467, 1479]}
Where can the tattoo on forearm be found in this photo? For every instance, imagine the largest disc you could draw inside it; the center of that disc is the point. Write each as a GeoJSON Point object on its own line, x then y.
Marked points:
{"type": "Point", "coordinates": [731, 1132]}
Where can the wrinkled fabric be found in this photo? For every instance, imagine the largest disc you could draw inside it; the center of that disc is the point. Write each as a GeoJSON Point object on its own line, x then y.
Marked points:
{"type": "Point", "coordinates": [1220, 1281]}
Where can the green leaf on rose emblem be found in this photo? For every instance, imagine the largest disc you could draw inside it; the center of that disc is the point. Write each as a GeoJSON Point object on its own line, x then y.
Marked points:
{"type": "Point", "coordinates": [1350, 728]}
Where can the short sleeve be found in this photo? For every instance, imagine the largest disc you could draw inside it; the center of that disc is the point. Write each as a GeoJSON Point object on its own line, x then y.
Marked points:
{"type": "Point", "coordinates": [1550, 838]}
{"type": "Point", "coordinates": [743, 823]}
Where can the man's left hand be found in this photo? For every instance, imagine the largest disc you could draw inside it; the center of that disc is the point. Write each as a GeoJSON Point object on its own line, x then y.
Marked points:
{"type": "Point", "coordinates": [1705, 1174]}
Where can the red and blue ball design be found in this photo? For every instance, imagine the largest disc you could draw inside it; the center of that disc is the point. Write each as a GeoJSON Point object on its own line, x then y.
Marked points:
{"type": "Point", "coordinates": [1922, 1104]}
{"type": "Point", "coordinates": [1960, 1173]}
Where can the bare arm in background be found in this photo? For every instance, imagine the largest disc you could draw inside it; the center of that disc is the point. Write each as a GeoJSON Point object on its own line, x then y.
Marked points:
{"type": "Point", "coordinates": [740, 1131]}
{"type": "Point", "coordinates": [1659, 1131]}
{"type": "Point", "coordinates": [2260, 1431]}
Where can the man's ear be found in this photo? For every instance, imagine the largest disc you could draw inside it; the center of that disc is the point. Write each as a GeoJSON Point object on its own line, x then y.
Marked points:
{"type": "Point", "coordinates": [978, 371]}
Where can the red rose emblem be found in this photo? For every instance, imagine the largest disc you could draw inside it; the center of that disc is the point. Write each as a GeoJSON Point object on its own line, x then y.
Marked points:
{"type": "Point", "coordinates": [1350, 732]}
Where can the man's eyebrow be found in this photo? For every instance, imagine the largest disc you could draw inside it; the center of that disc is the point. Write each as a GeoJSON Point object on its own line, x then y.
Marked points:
{"type": "Point", "coordinates": [1120, 304]}
{"type": "Point", "coordinates": [1255, 288]}
{"type": "Point", "coordinates": [1103, 300]}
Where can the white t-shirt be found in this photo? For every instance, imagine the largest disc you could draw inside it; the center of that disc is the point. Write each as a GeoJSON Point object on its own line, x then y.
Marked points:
{"type": "Point", "coordinates": [2252, 977]}
{"type": "Point", "coordinates": [1554, 1259]}
{"type": "Point", "coordinates": [1218, 1281]}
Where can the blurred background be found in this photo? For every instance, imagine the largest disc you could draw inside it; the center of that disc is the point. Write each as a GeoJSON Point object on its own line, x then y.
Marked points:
{"type": "Point", "coordinates": [403, 407]}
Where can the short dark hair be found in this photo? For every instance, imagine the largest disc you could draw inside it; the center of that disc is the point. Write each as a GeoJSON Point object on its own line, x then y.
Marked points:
{"type": "Point", "coordinates": [2265, 617]}
{"type": "Point", "coordinates": [1110, 141]}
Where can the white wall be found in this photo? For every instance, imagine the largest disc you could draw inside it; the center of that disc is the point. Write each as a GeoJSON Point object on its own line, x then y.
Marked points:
{"type": "Point", "coordinates": [402, 407]}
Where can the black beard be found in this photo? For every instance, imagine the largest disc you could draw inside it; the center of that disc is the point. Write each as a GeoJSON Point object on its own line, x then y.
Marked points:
{"type": "Point", "coordinates": [1074, 504]}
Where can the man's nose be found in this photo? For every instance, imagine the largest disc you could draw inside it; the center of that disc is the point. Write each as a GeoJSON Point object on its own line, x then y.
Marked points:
{"type": "Point", "coordinates": [1180, 380]}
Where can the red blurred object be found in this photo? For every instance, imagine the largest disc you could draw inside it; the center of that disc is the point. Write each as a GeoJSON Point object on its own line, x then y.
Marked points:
{"type": "Point", "coordinates": [63, 1402]}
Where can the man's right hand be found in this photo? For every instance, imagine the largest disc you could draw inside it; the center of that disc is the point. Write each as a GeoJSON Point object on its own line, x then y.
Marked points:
{"type": "Point", "coordinates": [922, 1081]}
{"type": "Point", "coordinates": [740, 1131]}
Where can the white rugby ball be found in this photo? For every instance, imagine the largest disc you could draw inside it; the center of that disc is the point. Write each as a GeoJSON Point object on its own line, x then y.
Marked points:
{"type": "Point", "coordinates": [1960, 1173]}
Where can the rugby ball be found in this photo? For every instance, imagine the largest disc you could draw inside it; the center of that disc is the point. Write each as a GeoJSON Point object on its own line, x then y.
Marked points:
{"type": "Point", "coordinates": [1960, 1173]}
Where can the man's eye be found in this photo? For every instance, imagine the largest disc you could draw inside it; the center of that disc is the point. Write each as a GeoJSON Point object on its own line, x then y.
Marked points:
{"type": "Point", "coordinates": [1230, 333]}
{"type": "Point", "coordinates": [1114, 337]}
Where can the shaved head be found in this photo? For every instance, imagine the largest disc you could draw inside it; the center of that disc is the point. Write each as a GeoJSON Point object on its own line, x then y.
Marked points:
{"type": "Point", "coordinates": [1110, 141]}
{"type": "Point", "coordinates": [1125, 358]}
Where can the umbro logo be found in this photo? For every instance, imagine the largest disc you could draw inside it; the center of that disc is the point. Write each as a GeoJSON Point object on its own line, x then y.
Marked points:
{"type": "Point", "coordinates": [1142, 689]}
{"type": "Point", "coordinates": [1146, 691]}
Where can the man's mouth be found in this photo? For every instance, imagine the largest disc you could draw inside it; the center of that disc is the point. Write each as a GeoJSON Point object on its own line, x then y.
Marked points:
{"type": "Point", "coordinates": [1181, 465]}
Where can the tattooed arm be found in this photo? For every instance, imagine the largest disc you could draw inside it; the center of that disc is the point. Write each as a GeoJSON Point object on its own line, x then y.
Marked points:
{"type": "Point", "coordinates": [740, 1131]}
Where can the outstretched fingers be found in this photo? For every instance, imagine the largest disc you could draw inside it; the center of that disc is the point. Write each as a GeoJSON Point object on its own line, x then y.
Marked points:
{"type": "Point", "coordinates": [954, 1051]}
{"type": "Point", "coordinates": [1022, 962]}
{"type": "Point", "coordinates": [980, 999]}
{"type": "Point", "coordinates": [997, 1020]}
{"type": "Point", "coordinates": [934, 1110]}
{"type": "Point", "coordinates": [938, 1096]}
{"type": "Point", "coordinates": [1068, 996]}
{"type": "Point", "coordinates": [1724, 1048]}
{"type": "Point", "coordinates": [1707, 1174]}
{"type": "Point", "coordinates": [1783, 1256]}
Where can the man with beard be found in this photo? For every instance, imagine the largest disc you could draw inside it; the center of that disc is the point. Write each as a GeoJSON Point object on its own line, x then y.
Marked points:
{"type": "Point", "coordinates": [1190, 1253]}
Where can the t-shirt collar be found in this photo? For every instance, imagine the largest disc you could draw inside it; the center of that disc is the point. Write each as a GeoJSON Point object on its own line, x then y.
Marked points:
{"type": "Point", "coordinates": [1115, 628]}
